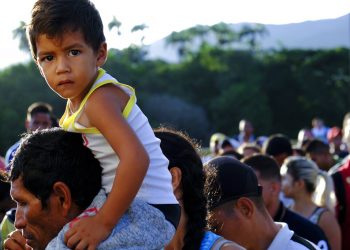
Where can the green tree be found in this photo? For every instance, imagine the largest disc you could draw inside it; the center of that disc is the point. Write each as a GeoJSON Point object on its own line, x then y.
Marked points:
{"type": "Point", "coordinates": [251, 34]}
{"type": "Point", "coordinates": [20, 34]}
{"type": "Point", "coordinates": [140, 28]}
{"type": "Point", "coordinates": [115, 23]}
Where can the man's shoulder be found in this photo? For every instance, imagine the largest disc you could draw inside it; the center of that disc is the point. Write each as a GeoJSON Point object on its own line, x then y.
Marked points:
{"type": "Point", "coordinates": [287, 239]}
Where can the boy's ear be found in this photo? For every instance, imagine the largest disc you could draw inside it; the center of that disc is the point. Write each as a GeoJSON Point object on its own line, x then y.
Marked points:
{"type": "Point", "coordinates": [102, 54]}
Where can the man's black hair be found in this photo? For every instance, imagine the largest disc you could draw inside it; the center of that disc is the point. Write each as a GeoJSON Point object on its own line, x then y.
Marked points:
{"type": "Point", "coordinates": [266, 166]}
{"type": "Point", "coordinates": [52, 155]}
{"type": "Point", "coordinates": [277, 144]}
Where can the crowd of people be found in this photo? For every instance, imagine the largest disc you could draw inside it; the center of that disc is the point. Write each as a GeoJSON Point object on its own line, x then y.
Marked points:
{"type": "Point", "coordinates": [101, 177]}
{"type": "Point", "coordinates": [306, 178]}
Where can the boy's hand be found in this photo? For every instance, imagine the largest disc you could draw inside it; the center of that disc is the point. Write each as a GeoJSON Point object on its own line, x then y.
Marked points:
{"type": "Point", "coordinates": [16, 241]}
{"type": "Point", "coordinates": [86, 233]}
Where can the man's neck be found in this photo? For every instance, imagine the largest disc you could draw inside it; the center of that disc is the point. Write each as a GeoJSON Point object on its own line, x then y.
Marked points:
{"type": "Point", "coordinates": [264, 233]}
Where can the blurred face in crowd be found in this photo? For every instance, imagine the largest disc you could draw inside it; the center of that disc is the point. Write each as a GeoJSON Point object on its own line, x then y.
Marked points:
{"type": "Point", "coordinates": [346, 132]}
{"type": "Point", "coordinates": [288, 185]}
{"type": "Point", "coordinates": [39, 121]}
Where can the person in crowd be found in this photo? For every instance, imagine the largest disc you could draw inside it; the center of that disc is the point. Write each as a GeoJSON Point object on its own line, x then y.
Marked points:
{"type": "Point", "coordinates": [340, 174]}
{"type": "Point", "coordinates": [38, 117]}
{"type": "Point", "coordinates": [319, 152]}
{"type": "Point", "coordinates": [236, 208]}
{"type": "Point", "coordinates": [269, 177]}
{"type": "Point", "coordinates": [228, 149]}
{"type": "Point", "coordinates": [187, 174]}
{"type": "Point", "coordinates": [319, 130]}
{"type": "Point", "coordinates": [346, 129]}
{"type": "Point", "coordinates": [337, 148]}
{"type": "Point", "coordinates": [248, 149]}
{"type": "Point", "coordinates": [279, 147]}
{"type": "Point", "coordinates": [68, 45]}
{"type": "Point", "coordinates": [56, 182]}
{"type": "Point", "coordinates": [246, 132]}
{"type": "Point", "coordinates": [313, 195]}
{"type": "Point", "coordinates": [304, 135]}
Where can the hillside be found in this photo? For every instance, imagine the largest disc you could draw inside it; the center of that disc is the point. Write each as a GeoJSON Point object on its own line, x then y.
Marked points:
{"type": "Point", "coordinates": [321, 34]}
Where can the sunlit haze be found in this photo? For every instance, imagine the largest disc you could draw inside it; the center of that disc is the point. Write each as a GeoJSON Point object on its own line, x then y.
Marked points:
{"type": "Point", "coordinates": [163, 17]}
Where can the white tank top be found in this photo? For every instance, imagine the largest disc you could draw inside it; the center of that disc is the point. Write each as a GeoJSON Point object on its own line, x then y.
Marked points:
{"type": "Point", "coordinates": [156, 187]}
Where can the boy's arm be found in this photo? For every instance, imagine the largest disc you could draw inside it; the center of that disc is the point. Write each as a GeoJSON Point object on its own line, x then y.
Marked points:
{"type": "Point", "coordinates": [104, 111]}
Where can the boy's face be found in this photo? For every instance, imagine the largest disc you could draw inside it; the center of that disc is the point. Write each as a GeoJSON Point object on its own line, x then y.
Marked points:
{"type": "Point", "coordinates": [69, 65]}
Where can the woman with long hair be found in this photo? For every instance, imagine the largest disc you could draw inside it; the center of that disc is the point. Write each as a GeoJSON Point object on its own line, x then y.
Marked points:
{"type": "Point", "coordinates": [186, 169]}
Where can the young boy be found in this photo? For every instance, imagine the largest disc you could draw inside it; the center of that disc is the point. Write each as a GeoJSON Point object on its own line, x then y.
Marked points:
{"type": "Point", "coordinates": [67, 43]}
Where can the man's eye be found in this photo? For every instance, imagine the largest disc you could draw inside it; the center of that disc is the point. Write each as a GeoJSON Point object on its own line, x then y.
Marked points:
{"type": "Point", "coordinates": [74, 52]}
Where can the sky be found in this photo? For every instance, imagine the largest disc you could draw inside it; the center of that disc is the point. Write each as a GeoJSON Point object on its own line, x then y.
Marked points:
{"type": "Point", "coordinates": [165, 16]}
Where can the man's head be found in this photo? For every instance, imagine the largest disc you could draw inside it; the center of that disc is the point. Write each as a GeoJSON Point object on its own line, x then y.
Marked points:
{"type": "Point", "coordinates": [53, 178]}
{"type": "Point", "coordinates": [54, 18]}
{"type": "Point", "coordinates": [39, 116]}
{"type": "Point", "coordinates": [269, 177]}
{"type": "Point", "coordinates": [278, 146]}
{"type": "Point", "coordinates": [235, 204]}
{"type": "Point", "coordinates": [318, 151]}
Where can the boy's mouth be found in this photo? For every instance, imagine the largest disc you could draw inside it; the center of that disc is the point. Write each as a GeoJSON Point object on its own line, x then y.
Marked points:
{"type": "Point", "coordinates": [65, 82]}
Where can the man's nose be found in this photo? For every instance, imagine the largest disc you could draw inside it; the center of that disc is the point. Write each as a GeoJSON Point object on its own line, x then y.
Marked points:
{"type": "Point", "coordinates": [20, 221]}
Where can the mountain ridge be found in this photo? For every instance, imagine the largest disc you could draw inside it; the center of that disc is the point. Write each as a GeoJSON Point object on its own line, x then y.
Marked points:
{"type": "Point", "coordinates": [320, 34]}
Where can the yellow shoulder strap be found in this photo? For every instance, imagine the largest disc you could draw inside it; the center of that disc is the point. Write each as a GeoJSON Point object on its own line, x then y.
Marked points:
{"type": "Point", "coordinates": [67, 122]}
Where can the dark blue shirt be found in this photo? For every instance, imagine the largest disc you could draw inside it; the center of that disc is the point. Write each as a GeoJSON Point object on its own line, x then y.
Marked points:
{"type": "Point", "coordinates": [302, 226]}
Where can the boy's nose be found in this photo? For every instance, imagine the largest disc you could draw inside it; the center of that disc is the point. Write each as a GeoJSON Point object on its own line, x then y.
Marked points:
{"type": "Point", "coordinates": [62, 66]}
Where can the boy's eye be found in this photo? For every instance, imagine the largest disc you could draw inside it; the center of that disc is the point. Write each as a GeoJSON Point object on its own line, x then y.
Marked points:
{"type": "Point", "coordinates": [74, 52]}
{"type": "Point", "coordinates": [47, 58]}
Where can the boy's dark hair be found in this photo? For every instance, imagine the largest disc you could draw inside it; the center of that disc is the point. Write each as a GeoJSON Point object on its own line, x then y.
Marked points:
{"type": "Point", "coordinates": [56, 17]}
{"type": "Point", "coordinates": [181, 151]}
{"type": "Point", "coordinates": [38, 107]}
{"type": "Point", "coordinates": [266, 166]}
{"type": "Point", "coordinates": [51, 155]}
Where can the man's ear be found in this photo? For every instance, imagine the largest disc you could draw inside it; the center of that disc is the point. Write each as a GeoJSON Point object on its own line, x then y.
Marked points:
{"type": "Point", "coordinates": [246, 207]}
{"type": "Point", "coordinates": [62, 197]}
{"type": "Point", "coordinates": [176, 176]}
{"type": "Point", "coordinates": [102, 54]}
